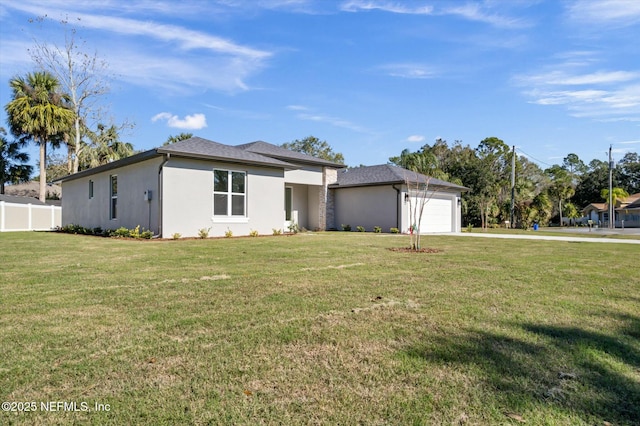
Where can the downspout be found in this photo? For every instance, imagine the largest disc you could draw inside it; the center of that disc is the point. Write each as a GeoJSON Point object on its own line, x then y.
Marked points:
{"type": "Point", "coordinates": [167, 156]}
{"type": "Point", "coordinates": [398, 205]}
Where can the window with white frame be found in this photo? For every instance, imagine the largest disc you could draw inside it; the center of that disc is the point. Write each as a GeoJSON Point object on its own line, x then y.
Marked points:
{"type": "Point", "coordinates": [229, 193]}
{"type": "Point", "coordinates": [113, 210]}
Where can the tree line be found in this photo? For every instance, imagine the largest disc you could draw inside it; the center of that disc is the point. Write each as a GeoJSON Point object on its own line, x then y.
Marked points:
{"type": "Point", "coordinates": [541, 195]}
{"type": "Point", "coordinates": [58, 104]}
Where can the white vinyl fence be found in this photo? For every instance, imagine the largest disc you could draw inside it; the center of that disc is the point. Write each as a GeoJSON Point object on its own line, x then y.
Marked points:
{"type": "Point", "coordinates": [28, 217]}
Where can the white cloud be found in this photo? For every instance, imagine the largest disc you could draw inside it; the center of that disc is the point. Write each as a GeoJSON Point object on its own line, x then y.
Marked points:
{"type": "Point", "coordinates": [334, 121]}
{"type": "Point", "coordinates": [605, 12]}
{"type": "Point", "coordinates": [561, 77]}
{"type": "Point", "coordinates": [185, 38]}
{"type": "Point", "coordinates": [475, 12]}
{"type": "Point", "coordinates": [479, 12]}
{"type": "Point", "coordinates": [297, 108]}
{"type": "Point", "coordinates": [160, 56]}
{"type": "Point", "coordinates": [385, 6]}
{"type": "Point", "coordinates": [305, 113]}
{"type": "Point", "coordinates": [415, 138]}
{"type": "Point", "coordinates": [603, 95]}
{"type": "Point", "coordinates": [189, 122]}
{"type": "Point", "coordinates": [418, 71]}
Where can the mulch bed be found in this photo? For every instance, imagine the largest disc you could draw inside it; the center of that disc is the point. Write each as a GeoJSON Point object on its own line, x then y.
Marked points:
{"type": "Point", "coordinates": [410, 250]}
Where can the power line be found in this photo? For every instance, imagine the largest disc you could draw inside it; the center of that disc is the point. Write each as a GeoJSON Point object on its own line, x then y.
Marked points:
{"type": "Point", "coordinates": [533, 158]}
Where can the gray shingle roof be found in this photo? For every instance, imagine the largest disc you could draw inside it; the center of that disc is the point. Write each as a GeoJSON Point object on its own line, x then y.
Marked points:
{"type": "Point", "coordinates": [385, 174]}
{"type": "Point", "coordinates": [15, 199]}
{"type": "Point", "coordinates": [274, 151]}
{"type": "Point", "coordinates": [203, 148]}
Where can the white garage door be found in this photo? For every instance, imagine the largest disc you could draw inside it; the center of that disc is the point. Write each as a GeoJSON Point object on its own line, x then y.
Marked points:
{"type": "Point", "coordinates": [436, 216]}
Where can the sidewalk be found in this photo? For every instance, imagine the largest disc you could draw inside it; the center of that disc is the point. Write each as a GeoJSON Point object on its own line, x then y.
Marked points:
{"type": "Point", "coordinates": [480, 234]}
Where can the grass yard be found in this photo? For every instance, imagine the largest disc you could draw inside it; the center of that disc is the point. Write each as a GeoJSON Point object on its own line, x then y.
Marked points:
{"type": "Point", "coordinates": [328, 328]}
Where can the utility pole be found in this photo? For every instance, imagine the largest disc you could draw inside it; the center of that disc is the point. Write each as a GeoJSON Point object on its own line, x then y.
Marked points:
{"type": "Point", "coordinates": [612, 223]}
{"type": "Point", "coordinates": [513, 186]}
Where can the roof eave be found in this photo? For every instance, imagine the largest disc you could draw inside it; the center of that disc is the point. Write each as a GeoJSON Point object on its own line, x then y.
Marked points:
{"type": "Point", "coordinates": [398, 182]}
{"type": "Point", "coordinates": [136, 158]}
{"type": "Point", "coordinates": [284, 165]}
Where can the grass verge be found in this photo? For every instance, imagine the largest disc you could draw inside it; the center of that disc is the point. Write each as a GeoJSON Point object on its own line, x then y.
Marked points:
{"type": "Point", "coordinates": [329, 328]}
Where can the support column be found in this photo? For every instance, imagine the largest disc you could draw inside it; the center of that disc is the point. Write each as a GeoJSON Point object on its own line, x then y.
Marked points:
{"type": "Point", "coordinates": [326, 201]}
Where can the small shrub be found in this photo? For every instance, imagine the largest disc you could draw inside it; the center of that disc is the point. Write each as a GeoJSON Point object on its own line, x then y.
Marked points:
{"type": "Point", "coordinates": [469, 228]}
{"type": "Point", "coordinates": [377, 229]}
{"type": "Point", "coordinates": [277, 231]}
{"type": "Point", "coordinates": [293, 228]}
{"type": "Point", "coordinates": [135, 232]}
{"type": "Point", "coordinates": [228, 233]}
{"type": "Point", "coordinates": [97, 231]}
{"type": "Point", "coordinates": [121, 232]}
{"type": "Point", "coordinates": [346, 227]}
{"type": "Point", "coordinates": [176, 236]}
{"type": "Point", "coordinates": [253, 233]}
{"type": "Point", "coordinates": [394, 230]}
{"type": "Point", "coordinates": [360, 228]}
{"type": "Point", "coordinates": [147, 235]}
{"type": "Point", "coordinates": [203, 233]}
{"type": "Point", "coordinates": [76, 229]}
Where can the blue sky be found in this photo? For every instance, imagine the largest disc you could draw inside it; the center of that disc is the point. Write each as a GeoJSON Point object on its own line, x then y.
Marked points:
{"type": "Point", "coordinates": [371, 77]}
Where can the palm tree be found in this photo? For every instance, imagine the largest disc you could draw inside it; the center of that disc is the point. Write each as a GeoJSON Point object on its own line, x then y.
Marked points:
{"type": "Point", "coordinates": [12, 161]}
{"type": "Point", "coordinates": [105, 147]}
{"type": "Point", "coordinates": [39, 112]}
{"type": "Point", "coordinates": [617, 194]}
{"type": "Point", "coordinates": [177, 138]}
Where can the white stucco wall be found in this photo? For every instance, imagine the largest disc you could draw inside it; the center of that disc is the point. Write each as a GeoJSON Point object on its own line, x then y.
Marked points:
{"type": "Point", "coordinates": [306, 175]}
{"type": "Point", "coordinates": [300, 204]}
{"type": "Point", "coordinates": [314, 194]}
{"type": "Point", "coordinates": [366, 206]}
{"type": "Point", "coordinates": [133, 210]}
{"type": "Point", "coordinates": [187, 199]}
{"type": "Point", "coordinates": [371, 206]}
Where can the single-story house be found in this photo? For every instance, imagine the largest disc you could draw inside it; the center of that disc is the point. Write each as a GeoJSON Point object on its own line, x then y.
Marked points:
{"type": "Point", "coordinates": [597, 213]}
{"type": "Point", "coordinates": [199, 184]}
{"type": "Point", "coordinates": [626, 209]}
{"type": "Point", "coordinates": [628, 214]}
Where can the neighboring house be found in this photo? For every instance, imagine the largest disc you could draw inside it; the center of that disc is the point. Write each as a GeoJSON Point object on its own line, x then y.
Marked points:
{"type": "Point", "coordinates": [199, 184]}
{"type": "Point", "coordinates": [28, 214]}
{"type": "Point", "coordinates": [372, 196]}
{"type": "Point", "coordinates": [597, 213]}
{"type": "Point", "coordinates": [626, 209]}
{"type": "Point", "coordinates": [628, 214]}
{"type": "Point", "coordinates": [32, 189]}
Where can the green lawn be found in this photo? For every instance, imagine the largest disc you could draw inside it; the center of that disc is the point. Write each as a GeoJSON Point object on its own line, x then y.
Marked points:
{"type": "Point", "coordinates": [329, 328]}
